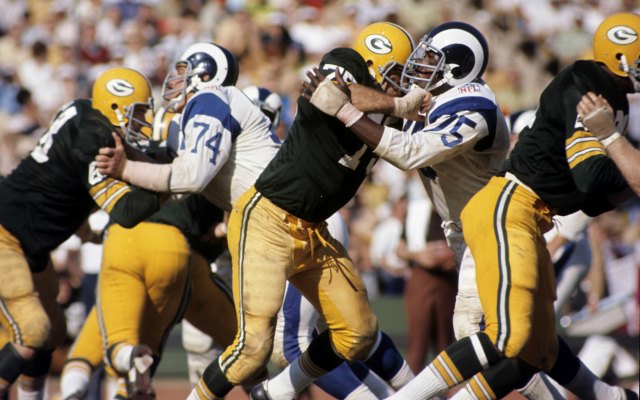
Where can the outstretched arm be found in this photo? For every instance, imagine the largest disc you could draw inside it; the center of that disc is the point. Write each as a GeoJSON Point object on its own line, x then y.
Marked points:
{"type": "Point", "coordinates": [597, 116]}
{"type": "Point", "coordinates": [113, 161]}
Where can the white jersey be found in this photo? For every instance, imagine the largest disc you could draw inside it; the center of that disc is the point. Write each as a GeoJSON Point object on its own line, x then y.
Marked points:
{"type": "Point", "coordinates": [225, 143]}
{"type": "Point", "coordinates": [458, 148]}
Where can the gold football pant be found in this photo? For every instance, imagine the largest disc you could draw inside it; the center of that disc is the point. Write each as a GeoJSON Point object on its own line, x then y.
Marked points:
{"type": "Point", "coordinates": [503, 225]}
{"type": "Point", "coordinates": [269, 246]}
{"type": "Point", "coordinates": [210, 308]}
{"type": "Point", "coordinates": [143, 284]}
{"type": "Point", "coordinates": [28, 307]}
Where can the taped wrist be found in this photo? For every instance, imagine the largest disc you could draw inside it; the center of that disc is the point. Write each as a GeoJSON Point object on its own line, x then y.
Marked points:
{"type": "Point", "coordinates": [408, 104]}
{"type": "Point", "coordinates": [328, 98]}
{"type": "Point", "coordinates": [349, 114]}
{"type": "Point", "coordinates": [148, 176]}
{"type": "Point", "coordinates": [606, 142]}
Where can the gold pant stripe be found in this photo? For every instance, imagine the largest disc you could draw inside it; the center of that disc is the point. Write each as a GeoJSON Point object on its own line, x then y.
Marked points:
{"type": "Point", "coordinates": [12, 244]}
{"type": "Point", "coordinates": [16, 336]}
{"type": "Point", "coordinates": [504, 285]}
{"type": "Point", "coordinates": [225, 363]}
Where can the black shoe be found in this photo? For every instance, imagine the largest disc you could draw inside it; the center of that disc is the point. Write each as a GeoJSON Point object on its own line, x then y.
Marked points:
{"type": "Point", "coordinates": [259, 392]}
{"type": "Point", "coordinates": [631, 395]}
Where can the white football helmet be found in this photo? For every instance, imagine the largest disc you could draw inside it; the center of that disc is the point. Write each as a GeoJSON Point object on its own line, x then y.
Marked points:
{"type": "Point", "coordinates": [269, 102]}
{"type": "Point", "coordinates": [202, 64]}
{"type": "Point", "coordinates": [458, 52]}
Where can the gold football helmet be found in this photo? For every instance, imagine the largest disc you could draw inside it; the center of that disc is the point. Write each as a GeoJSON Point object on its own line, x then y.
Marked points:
{"type": "Point", "coordinates": [123, 95]}
{"type": "Point", "coordinates": [166, 131]}
{"type": "Point", "coordinates": [384, 46]}
{"type": "Point", "coordinates": [616, 44]}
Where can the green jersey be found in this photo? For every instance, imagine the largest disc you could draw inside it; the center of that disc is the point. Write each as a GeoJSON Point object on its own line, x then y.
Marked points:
{"type": "Point", "coordinates": [194, 216]}
{"type": "Point", "coordinates": [52, 191]}
{"type": "Point", "coordinates": [567, 167]}
{"type": "Point", "coordinates": [321, 164]}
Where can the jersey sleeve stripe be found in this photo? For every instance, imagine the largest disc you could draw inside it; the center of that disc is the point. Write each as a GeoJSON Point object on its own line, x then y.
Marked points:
{"type": "Point", "coordinates": [582, 146]}
{"type": "Point", "coordinates": [581, 137]}
{"type": "Point", "coordinates": [111, 201]}
{"type": "Point", "coordinates": [581, 156]}
{"type": "Point", "coordinates": [106, 193]}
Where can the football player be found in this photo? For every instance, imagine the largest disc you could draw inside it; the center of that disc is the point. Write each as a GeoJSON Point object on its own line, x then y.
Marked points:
{"type": "Point", "coordinates": [48, 196]}
{"type": "Point", "coordinates": [555, 168]}
{"type": "Point", "coordinates": [149, 274]}
{"type": "Point", "coordinates": [383, 45]}
{"type": "Point", "coordinates": [617, 46]}
{"type": "Point", "coordinates": [298, 321]}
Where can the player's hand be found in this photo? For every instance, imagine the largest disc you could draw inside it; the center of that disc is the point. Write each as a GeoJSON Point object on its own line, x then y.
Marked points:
{"type": "Point", "coordinates": [597, 115]}
{"type": "Point", "coordinates": [328, 97]}
{"type": "Point", "coordinates": [409, 105]}
{"type": "Point", "coordinates": [112, 160]}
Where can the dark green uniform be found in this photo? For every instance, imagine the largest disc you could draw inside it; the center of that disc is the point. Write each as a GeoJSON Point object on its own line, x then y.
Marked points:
{"type": "Point", "coordinates": [48, 196]}
{"type": "Point", "coordinates": [277, 232]}
{"type": "Point", "coordinates": [569, 178]}
{"type": "Point", "coordinates": [321, 164]}
{"type": "Point", "coordinates": [557, 167]}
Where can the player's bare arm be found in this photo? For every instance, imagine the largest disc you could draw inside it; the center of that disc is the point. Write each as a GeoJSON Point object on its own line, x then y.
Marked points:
{"type": "Point", "coordinates": [597, 117]}
{"type": "Point", "coordinates": [112, 161]}
{"type": "Point", "coordinates": [369, 100]}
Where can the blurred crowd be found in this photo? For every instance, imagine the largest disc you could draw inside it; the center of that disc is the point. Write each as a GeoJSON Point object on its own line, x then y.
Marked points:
{"type": "Point", "coordinates": [51, 51]}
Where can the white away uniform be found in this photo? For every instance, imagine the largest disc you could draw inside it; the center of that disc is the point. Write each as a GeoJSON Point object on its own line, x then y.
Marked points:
{"type": "Point", "coordinates": [225, 143]}
{"type": "Point", "coordinates": [458, 148]}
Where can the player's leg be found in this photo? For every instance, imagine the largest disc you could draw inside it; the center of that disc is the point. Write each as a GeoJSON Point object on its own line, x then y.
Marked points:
{"type": "Point", "coordinates": [142, 292]}
{"type": "Point", "coordinates": [261, 249]}
{"type": "Point", "coordinates": [297, 322]}
{"type": "Point", "coordinates": [23, 315]}
{"type": "Point", "coordinates": [84, 357]}
{"type": "Point", "coordinates": [203, 336]}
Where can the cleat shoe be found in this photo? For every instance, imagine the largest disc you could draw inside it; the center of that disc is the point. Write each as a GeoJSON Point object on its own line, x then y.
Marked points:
{"type": "Point", "coordinates": [259, 392]}
{"type": "Point", "coordinates": [139, 377]}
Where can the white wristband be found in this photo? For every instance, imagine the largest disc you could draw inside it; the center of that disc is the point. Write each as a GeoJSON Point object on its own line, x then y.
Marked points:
{"type": "Point", "coordinates": [606, 142]}
{"type": "Point", "coordinates": [349, 114]}
{"type": "Point", "coordinates": [154, 177]}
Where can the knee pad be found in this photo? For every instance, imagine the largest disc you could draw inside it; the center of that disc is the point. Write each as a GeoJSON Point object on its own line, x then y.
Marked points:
{"type": "Point", "coordinates": [246, 358]}
{"type": "Point", "coordinates": [355, 344]}
{"type": "Point", "coordinates": [194, 340]}
{"type": "Point", "coordinates": [467, 316]}
{"type": "Point", "coordinates": [35, 329]}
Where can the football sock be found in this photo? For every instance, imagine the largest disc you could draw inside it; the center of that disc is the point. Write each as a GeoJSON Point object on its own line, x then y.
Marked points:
{"type": "Point", "coordinates": [571, 373]}
{"type": "Point", "coordinates": [387, 362]}
{"type": "Point", "coordinates": [120, 356]}
{"type": "Point", "coordinates": [541, 387]}
{"type": "Point", "coordinates": [11, 366]}
{"type": "Point", "coordinates": [455, 364]}
{"type": "Point", "coordinates": [213, 384]}
{"type": "Point", "coordinates": [317, 360]}
{"type": "Point", "coordinates": [31, 388]}
{"type": "Point", "coordinates": [379, 387]}
{"type": "Point", "coordinates": [362, 392]}
{"type": "Point", "coordinates": [75, 379]}
{"type": "Point", "coordinates": [500, 379]}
